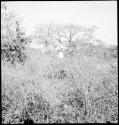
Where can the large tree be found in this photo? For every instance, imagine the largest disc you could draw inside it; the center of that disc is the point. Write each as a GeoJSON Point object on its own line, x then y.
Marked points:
{"type": "Point", "coordinates": [67, 34]}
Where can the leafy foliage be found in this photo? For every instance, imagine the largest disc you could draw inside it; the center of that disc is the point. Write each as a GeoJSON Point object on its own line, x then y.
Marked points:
{"type": "Point", "coordinates": [12, 37]}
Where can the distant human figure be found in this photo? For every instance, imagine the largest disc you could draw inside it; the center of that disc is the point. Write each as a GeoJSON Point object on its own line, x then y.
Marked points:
{"type": "Point", "coordinates": [61, 55]}
{"type": "Point", "coordinates": [60, 49]}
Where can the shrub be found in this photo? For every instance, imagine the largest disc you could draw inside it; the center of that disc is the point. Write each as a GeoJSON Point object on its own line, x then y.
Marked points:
{"type": "Point", "coordinates": [12, 38]}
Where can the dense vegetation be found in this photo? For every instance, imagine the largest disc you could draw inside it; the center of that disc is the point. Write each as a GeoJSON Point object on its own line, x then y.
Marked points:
{"type": "Point", "coordinates": [80, 88]}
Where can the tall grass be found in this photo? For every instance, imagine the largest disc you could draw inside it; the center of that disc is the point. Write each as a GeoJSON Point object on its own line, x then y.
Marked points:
{"type": "Point", "coordinates": [50, 90]}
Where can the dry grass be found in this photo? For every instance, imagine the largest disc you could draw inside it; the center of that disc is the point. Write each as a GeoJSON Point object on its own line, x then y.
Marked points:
{"type": "Point", "coordinates": [48, 89]}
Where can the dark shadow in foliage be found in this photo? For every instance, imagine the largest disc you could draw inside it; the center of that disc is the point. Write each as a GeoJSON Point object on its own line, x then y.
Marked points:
{"type": "Point", "coordinates": [28, 122]}
{"type": "Point", "coordinates": [61, 74]}
{"type": "Point", "coordinates": [13, 53]}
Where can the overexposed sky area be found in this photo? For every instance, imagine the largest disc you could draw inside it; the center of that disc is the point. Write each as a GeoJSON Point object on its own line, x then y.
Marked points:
{"type": "Point", "coordinates": [100, 13]}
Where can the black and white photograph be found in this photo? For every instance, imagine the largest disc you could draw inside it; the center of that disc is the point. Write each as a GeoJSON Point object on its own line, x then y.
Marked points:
{"type": "Point", "coordinates": [59, 62]}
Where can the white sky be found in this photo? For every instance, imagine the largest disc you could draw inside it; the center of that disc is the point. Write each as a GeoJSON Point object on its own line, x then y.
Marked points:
{"type": "Point", "coordinates": [100, 13]}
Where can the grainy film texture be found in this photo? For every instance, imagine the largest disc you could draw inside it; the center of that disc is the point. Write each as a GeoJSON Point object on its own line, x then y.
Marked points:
{"type": "Point", "coordinates": [59, 62]}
